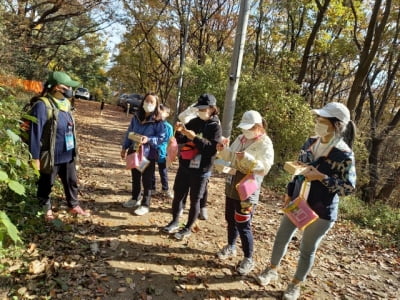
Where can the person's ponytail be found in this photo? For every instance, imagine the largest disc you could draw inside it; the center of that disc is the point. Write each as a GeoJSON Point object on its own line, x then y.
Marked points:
{"type": "Point", "coordinates": [349, 134]}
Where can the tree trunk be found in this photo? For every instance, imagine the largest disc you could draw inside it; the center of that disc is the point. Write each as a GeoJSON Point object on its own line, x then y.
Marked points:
{"type": "Point", "coordinates": [370, 47]}
{"type": "Point", "coordinates": [258, 35]}
{"type": "Point", "coordinates": [310, 42]}
{"type": "Point", "coordinates": [388, 188]}
{"type": "Point", "coordinates": [370, 192]}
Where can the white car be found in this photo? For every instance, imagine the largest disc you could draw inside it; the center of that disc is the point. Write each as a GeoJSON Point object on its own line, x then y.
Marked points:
{"type": "Point", "coordinates": [82, 93]}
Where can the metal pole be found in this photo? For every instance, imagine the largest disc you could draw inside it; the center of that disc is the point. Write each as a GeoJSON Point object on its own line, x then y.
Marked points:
{"type": "Point", "coordinates": [182, 62]}
{"type": "Point", "coordinates": [234, 72]}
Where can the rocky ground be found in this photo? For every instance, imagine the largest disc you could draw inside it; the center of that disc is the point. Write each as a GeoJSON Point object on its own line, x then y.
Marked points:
{"type": "Point", "coordinates": [117, 255]}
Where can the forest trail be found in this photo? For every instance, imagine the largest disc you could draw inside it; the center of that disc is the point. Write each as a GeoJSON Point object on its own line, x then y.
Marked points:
{"type": "Point", "coordinates": [117, 255]}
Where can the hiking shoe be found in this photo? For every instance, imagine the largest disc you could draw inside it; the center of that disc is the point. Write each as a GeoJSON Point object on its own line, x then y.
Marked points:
{"type": "Point", "coordinates": [141, 210]}
{"type": "Point", "coordinates": [203, 213]}
{"type": "Point", "coordinates": [226, 252]}
{"type": "Point", "coordinates": [171, 227]}
{"type": "Point", "coordinates": [132, 203]}
{"type": "Point", "coordinates": [168, 194]}
{"type": "Point", "coordinates": [292, 292]}
{"type": "Point", "coordinates": [77, 210]}
{"type": "Point", "coordinates": [267, 276]}
{"type": "Point", "coordinates": [246, 266]}
{"type": "Point", "coordinates": [183, 233]}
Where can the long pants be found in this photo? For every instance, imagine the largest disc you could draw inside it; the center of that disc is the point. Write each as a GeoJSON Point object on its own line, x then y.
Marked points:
{"type": "Point", "coordinates": [67, 174]}
{"type": "Point", "coordinates": [194, 184]}
{"type": "Point", "coordinates": [312, 237]}
{"type": "Point", "coordinates": [238, 215]}
{"type": "Point", "coordinates": [163, 172]}
{"type": "Point", "coordinates": [146, 179]}
{"type": "Point", "coordinates": [203, 200]}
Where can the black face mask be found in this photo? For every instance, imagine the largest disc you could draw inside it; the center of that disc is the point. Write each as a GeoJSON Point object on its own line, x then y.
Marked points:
{"type": "Point", "coordinates": [67, 93]}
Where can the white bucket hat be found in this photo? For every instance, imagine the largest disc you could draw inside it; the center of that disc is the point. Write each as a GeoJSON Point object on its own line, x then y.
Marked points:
{"type": "Point", "coordinates": [249, 119]}
{"type": "Point", "coordinates": [334, 110]}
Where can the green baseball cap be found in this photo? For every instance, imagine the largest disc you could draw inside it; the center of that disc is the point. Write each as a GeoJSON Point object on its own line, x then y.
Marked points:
{"type": "Point", "coordinates": [61, 78]}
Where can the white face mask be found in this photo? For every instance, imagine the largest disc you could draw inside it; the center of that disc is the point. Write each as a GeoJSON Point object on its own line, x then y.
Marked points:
{"type": "Point", "coordinates": [249, 134]}
{"type": "Point", "coordinates": [203, 115]}
{"type": "Point", "coordinates": [321, 129]}
{"type": "Point", "coordinates": [148, 107]}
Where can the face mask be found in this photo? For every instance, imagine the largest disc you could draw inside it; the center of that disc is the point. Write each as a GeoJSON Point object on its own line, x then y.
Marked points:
{"type": "Point", "coordinates": [203, 115]}
{"type": "Point", "coordinates": [67, 93]}
{"type": "Point", "coordinates": [321, 129]}
{"type": "Point", "coordinates": [249, 134]}
{"type": "Point", "coordinates": [148, 107]}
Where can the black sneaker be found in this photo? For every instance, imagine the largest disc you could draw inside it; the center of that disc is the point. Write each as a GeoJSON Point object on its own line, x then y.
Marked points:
{"type": "Point", "coordinates": [183, 233]}
{"type": "Point", "coordinates": [171, 227]}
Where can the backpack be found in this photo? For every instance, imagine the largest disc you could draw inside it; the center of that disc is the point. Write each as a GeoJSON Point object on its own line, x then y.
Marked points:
{"type": "Point", "coordinates": [27, 118]}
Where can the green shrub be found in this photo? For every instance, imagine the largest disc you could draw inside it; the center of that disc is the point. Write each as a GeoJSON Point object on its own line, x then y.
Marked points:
{"type": "Point", "coordinates": [379, 217]}
{"type": "Point", "coordinates": [17, 177]}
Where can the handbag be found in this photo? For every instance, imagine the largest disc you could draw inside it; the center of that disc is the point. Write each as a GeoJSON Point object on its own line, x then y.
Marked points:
{"type": "Point", "coordinates": [298, 210]}
{"type": "Point", "coordinates": [189, 151]}
{"type": "Point", "coordinates": [136, 160]}
{"type": "Point", "coordinates": [247, 186]}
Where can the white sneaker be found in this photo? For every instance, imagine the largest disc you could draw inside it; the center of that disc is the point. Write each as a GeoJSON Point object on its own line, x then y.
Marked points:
{"type": "Point", "coordinates": [226, 252]}
{"type": "Point", "coordinates": [267, 276]}
{"type": "Point", "coordinates": [292, 292]}
{"type": "Point", "coordinates": [131, 203]}
{"type": "Point", "coordinates": [246, 266]}
{"type": "Point", "coordinates": [142, 210]}
{"type": "Point", "coordinates": [168, 193]}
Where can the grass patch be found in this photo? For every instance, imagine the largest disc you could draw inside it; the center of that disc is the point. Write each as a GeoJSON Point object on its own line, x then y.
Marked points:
{"type": "Point", "coordinates": [381, 218]}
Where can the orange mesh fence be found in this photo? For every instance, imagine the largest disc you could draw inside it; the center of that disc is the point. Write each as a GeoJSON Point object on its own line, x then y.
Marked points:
{"type": "Point", "coordinates": [27, 85]}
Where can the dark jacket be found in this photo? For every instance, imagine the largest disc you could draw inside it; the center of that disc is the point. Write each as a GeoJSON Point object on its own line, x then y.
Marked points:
{"type": "Point", "coordinates": [208, 135]}
{"type": "Point", "coordinates": [339, 166]}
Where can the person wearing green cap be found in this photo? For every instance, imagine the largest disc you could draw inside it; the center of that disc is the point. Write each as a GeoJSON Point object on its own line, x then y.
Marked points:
{"type": "Point", "coordinates": [52, 143]}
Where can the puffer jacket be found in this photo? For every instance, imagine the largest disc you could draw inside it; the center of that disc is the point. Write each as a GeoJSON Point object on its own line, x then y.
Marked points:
{"type": "Point", "coordinates": [258, 159]}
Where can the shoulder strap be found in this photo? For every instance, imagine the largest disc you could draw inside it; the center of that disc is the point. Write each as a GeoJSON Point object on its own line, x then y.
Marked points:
{"type": "Point", "coordinates": [50, 106]}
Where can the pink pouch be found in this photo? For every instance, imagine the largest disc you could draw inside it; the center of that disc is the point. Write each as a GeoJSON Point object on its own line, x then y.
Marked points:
{"type": "Point", "coordinates": [247, 186]}
{"type": "Point", "coordinates": [133, 160]}
{"type": "Point", "coordinates": [299, 212]}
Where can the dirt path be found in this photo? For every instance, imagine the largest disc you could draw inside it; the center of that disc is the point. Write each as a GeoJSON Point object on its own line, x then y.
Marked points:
{"type": "Point", "coordinates": [117, 255]}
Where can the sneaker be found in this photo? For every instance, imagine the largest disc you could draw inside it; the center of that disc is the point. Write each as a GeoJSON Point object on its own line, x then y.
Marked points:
{"type": "Point", "coordinates": [142, 210]}
{"type": "Point", "coordinates": [183, 233]}
{"type": "Point", "coordinates": [267, 276]}
{"type": "Point", "coordinates": [292, 292]}
{"type": "Point", "coordinates": [246, 266]}
{"type": "Point", "coordinates": [168, 193]}
{"type": "Point", "coordinates": [77, 210]}
{"type": "Point", "coordinates": [132, 203]}
{"type": "Point", "coordinates": [226, 252]}
{"type": "Point", "coordinates": [203, 213]}
{"type": "Point", "coordinates": [171, 227]}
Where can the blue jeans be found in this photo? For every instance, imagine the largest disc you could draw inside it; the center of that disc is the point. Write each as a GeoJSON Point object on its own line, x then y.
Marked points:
{"type": "Point", "coordinates": [312, 237]}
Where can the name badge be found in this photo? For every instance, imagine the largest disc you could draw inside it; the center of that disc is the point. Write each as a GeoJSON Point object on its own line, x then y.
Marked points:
{"type": "Point", "coordinates": [195, 162]}
{"type": "Point", "coordinates": [69, 141]}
